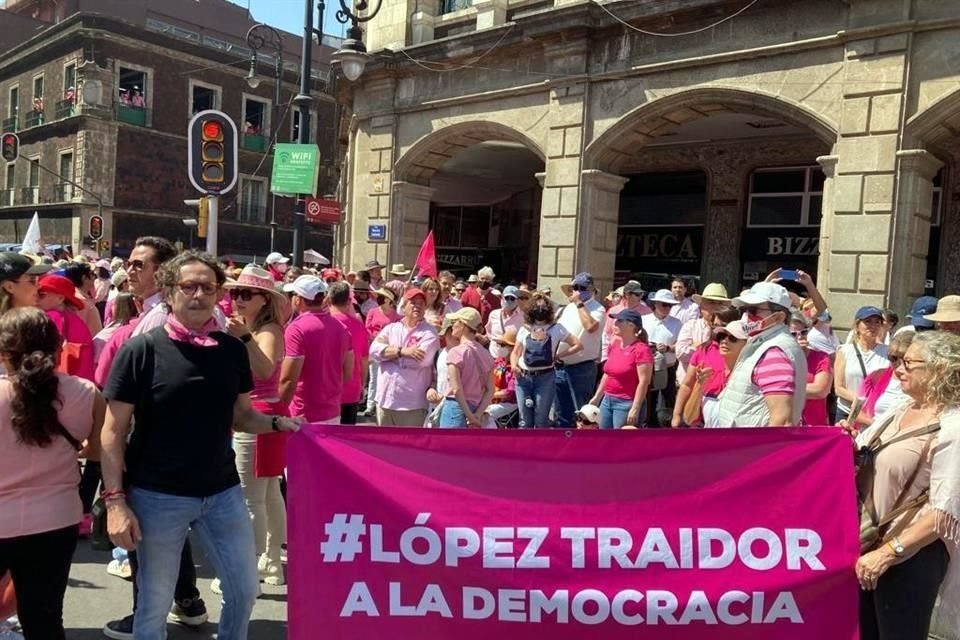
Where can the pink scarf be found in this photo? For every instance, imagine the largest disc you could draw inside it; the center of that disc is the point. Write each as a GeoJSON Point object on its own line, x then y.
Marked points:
{"type": "Point", "coordinates": [197, 338]}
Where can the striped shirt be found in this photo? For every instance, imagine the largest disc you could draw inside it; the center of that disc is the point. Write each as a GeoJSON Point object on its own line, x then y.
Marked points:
{"type": "Point", "coordinates": [774, 373]}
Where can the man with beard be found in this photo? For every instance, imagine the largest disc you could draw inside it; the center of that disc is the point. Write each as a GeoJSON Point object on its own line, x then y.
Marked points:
{"type": "Point", "coordinates": [481, 296]}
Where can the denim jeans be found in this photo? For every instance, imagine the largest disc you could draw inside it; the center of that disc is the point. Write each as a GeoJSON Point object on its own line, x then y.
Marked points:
{"type": "Point", "coordinates": [575, 386]}
{"type": "Point", "coordinates": [535, 394]}
{"type": "Point", "coordinates": [223, 524]}
{"type": "Point", "coordinates": [613, 412]}
{"type": "Point", "coordinates": [452, 416]}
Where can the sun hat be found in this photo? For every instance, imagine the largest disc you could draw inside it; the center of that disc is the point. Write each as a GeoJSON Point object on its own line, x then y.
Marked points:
{"type": "Point", "coordinates": [948, 310]}
{"type": "Point", "coordinates": [509, 338]}
{"type": "Point", "coordinates": [713, 292]}
{"type": "Point", "coordinates": [399, 270]}
{"type": "Point", "coordinates": [762, 292]}
{"type": "Point", "coordinates": [103, 263]}
{"type": "Point", "coordinates": [922, 306]}
{"type": "Point", "coordinates": [361, 285]}
{"type": "Point", "coordinates": [868, 312]}
{"type": "Point", "coordinates": [307, 286]}
{"type": "Point", "coordinates": [253, 277]}
{"type": "Point", "coordinates": [467, 315]}
{"type": "Point", "coordinates": [734, 329]}
{"type": "Point", "coordinates": [665, 296]}
{"type": "Point", "coordinates": [473, 279]}
{"type": "Point", "coordinates": [61, 286]}
{"type": "Point", "coordinates": [629, 315]}
{"type": "Point", "coordinates": [119, 277]}
{"type": "Point", "coordinates": [14, 265]}
{"type": "Point", "coordinates": [275, 257]}
{"type": "Point", "coordinates": [373, 264]}
{"type": "Point", "coordinates": [589, 413]}
{"type": "Point", "coordinates": [386, 293]}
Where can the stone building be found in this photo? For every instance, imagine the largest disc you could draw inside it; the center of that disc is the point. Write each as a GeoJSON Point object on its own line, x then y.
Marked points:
{"type": "Point", "coordinates": [101, 92]}
{"type": "Point", "coordinates": [718, 139]}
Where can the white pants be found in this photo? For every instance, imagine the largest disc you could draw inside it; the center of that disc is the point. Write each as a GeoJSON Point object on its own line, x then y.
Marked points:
{"type": "Point", "coordinates": [496, 411]}
{"type": "Point", "coordinates": [264, 500]}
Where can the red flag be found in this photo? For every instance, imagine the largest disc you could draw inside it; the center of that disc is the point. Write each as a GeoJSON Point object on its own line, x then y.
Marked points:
{"type": "Point", "coordinates": [426, 264]}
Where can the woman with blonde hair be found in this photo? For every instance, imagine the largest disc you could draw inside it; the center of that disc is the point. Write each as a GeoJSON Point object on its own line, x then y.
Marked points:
{"type": "Point", "coordinates": [859, 358]}
{"type": "Point", "coordinates": [909, 485]}
{"type": "Point", "coordinates": [435, 309]}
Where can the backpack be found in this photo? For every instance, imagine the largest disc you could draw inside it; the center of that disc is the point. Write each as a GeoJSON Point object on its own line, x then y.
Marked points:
{"type": "Point", "coordinates": [538, 352]}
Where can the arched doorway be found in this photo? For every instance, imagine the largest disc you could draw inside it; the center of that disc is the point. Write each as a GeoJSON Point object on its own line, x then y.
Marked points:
{"type": "Point", "coordinates": [721, 185]}
{"type": "Point", "coordinates": [476, 185]}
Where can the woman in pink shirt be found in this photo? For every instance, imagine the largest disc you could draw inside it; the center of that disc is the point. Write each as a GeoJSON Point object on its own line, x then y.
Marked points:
{"type": "Point", "coordinates": [384, 314]}
{"type": "Point", "coordinates": [819, 374]}
{"type": "Point", "coordinates": [626, 373]}
{"type": "Point", "coordinates": [44, 418]}
{"type": "Point", "coordinates": [59, 299]}
{"type": "Point", "coordinates": [469, 374]}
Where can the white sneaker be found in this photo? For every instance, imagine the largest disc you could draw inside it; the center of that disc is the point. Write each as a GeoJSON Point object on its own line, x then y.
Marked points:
{"type": "Point", "coordinates": [271, 572]}
{"type": "Point", "coordinates": [120, 569]}
{"type": "Point", "coordinates": [218, 590]}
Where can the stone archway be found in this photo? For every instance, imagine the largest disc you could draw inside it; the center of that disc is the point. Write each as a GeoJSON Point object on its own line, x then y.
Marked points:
{"type": "Point", "coordinates": [422, 177]}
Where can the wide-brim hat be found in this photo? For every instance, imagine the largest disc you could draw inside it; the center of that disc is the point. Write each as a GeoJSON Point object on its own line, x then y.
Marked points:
{"type": "Point", "coordinates": [253, 277]}
{"type": "Point", "coordinates": [400, 270]}
{"type": "Point", "coordinates": [374, 264]}
{"type": "Point", "coordinates": [386, 293]}
{"type": "Point", "coordinates": [713, 292]}
{"type": "Point", "coordinates": [509, 338]}
{"type": "Point", "coordinates": [361, 285]}
{"type": "Point", "coordinates": [948, 310]}
{"type": "Point", "coordinates": [664, 296]}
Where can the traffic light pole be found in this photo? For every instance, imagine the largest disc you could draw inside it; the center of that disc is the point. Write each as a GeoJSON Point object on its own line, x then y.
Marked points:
{"type": "Point", "coordinates": [303, 101]}
{"type": "Point", "coordinates": [78, 187]}
{"type": "Point", "coordinates": [213, 208]}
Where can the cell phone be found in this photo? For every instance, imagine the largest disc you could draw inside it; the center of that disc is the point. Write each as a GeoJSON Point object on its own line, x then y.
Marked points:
{"type": "Point", "coordinates": [788, 274]}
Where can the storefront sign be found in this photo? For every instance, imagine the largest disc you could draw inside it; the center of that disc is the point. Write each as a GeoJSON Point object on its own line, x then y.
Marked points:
{"type": "Point", "coordinates": [772, 243]}
{"type": "Point", "coordinates": [295, 169]}
{"type": "Point", "coordinates": [376, 232]}
{"type": "Point", "coordinates": [664, 249]}
{"type": "Point", "coordinates": [446, 533]}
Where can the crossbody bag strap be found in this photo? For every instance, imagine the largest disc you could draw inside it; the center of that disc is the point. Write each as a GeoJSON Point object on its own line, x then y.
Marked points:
{"type": "Point", "coordinates": [875, 446]}
{"type": "Point", "coordinates": [863, 367]}
{"type": "Point", "coordinates": [898, 507]}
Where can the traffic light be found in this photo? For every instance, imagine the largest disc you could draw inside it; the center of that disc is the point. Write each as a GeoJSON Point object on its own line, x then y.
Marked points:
{"type": "Point", "coordinates": [212, 152]}
{"type": "Point", "coordinates": [10, 146]}
{"type": "Point", "coordinates": [96, 227]}
{"type": "Point", "coordinates": [203, 217]}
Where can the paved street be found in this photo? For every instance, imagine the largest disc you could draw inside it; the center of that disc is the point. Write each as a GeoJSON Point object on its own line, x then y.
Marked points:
{"type": "Point", "coordinates": [94, 597]}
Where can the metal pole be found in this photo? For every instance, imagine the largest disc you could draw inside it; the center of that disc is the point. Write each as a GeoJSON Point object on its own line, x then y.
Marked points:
{"type": "Point", "coordinates": [299, 217]}
{"type": "Point", "coordinates": [212, 210]}
{"type": "Point", "coordinates": [274, 131]}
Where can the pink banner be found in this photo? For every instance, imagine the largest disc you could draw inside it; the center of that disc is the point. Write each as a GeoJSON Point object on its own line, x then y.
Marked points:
{"type": "Point", "coordinates": [675, 535]}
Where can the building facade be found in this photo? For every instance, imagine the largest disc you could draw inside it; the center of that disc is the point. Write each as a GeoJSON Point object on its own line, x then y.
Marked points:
{"type": "Point", "coordinates": [103, 100]}
{"type": "Point", "coordinates": [709, 138]}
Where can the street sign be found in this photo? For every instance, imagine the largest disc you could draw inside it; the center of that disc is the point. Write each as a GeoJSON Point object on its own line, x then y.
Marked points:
{"type": "Point", "coordinates": [96, 227]}
{"type": "Point", "coordinates": [376, 232]}
{"type": "Point", "coordinates": [323, 211]}
{"type": "Point", "coordinates": [295, 169]}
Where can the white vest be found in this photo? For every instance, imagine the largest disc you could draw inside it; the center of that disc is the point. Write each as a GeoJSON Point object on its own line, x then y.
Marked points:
{"type": "Point", "coordinates": [741, 402]}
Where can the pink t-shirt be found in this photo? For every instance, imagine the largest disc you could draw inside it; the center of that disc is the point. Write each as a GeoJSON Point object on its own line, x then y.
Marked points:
{"type": "Point", "coordinates": [474, 364]}
{"type": "Point", "coordinates": [710, 357]}
{"type": "Point", "coordinates": [377, 320]}
{"type": "Point", "coordinates": [322, 343]}
{"type": "Point", "coordinates": [38, 486]}
{"type": "Point", "coordinates": [109, 352]}
{"type": "Point", "coordinates": [774, 373]}
{"type": "Point", "coordinates": [353, 390]}
{"type": "Point", "coordinates": [79, 342]}
{"type": "Point", "coordinates": [621, 368]}
{"type": "Point", "coordinates": [815, 409]}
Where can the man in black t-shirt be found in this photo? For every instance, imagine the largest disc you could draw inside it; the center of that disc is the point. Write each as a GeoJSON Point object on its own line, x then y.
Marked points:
{"type": "Point", "coordinates": [187, 384]}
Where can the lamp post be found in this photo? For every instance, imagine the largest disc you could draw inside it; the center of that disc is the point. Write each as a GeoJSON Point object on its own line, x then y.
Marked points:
{"type": "Point", "coordinates": [258, 36]}
{"type": "Point", "coordinates": [352, 54]}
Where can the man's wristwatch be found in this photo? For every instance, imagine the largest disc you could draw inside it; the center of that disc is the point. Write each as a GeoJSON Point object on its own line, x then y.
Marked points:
{"type": "Point", "coordinates": [275, 423]}
{"type": "Point", "coordinates": [898, 549]}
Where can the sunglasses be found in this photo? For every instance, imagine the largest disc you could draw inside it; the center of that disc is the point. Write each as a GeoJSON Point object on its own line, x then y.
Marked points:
{"type": "Point", "coordinates": [582, 420]}
{"type": "Point", "coordinates": [245, 294]}
{"type": "Point", "coordinates": [136, 264]}
{"type": "Point", "coordinates": [725, 337]}
{"type": "Point", "coordinates": [580, 287]}
{"type": "Point", "coordinates": [801, 333]}
{"type": "Point", "coordinates": [510, 298]}
{"type": "Point", "coordinates": [755, 310]}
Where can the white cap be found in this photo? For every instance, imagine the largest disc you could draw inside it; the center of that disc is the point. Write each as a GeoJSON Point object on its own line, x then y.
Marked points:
{"type": "Point", "coordinates": [307, 286]}
{"type": "Point", "coordinates": [665, 296]}
{"type": "Point", "coordinates": [276, 257]}
{"type": "Point", "coordinates": [590, 413]}
{"type": "Point", "coordinates": [764, 292]}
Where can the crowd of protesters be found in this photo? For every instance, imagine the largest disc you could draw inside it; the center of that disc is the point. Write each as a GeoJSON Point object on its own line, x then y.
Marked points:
{"type": "Point", "coordinates": [121, 362]}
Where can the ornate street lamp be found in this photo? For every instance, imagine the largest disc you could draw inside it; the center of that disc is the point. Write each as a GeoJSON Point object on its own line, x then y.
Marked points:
{"type": "Point", "coordinates": [353, 55]}
{"type": "Point", "coordinates": [259, 36]}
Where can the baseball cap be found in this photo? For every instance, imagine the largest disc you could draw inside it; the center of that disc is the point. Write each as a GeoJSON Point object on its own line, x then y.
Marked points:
{"type": "Point", "coordinates": [867, 312]}
{"type": "Point", "coordinates": [589, 413]}
{"type": "Point", "coordinates": [632, 287]}
{"type": "Point", "coordinates": [467, 315]}
{"type": "Point", "coordinates": [275, 257]}
{"type": "Point", "coordinates": [413, 292]}
{"type": "Point", "coordinates": [61, 286]}
{"type": "Point", "coordinates": [761, 292]}
{"type": "Point", "coordinates": [307, 287]}
{"type": "Point", "coordinates": [734, 329]}
{"type": "Point", "coordinates": [922, 306]}
{"type": "Point", "coordinates": [330, 273]}
{"type": "Point", "coordinates": [511, 291]}
{"type": "Point", "coordinates": [629, 315]}
{"type": "Point", "coordinates": [14, 265]}
{"type": "Point", "coordinates": [582, 279]}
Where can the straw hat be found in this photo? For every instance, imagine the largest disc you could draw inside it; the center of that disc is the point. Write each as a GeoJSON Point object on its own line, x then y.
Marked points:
{"type": "Point", "coordinates": [948, 310]}
{"type": "Point", "coordinates": [713, 292]}
{"type": "Point", "coordinates": [400, 270]}
{"type": "Point", "coordinates": [508, 339]}
{"type": "Point", "coordinates": [253, 277]}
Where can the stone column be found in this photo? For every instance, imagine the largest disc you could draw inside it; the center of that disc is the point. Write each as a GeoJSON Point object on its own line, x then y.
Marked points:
{"type": "Point", "coordinates": [829, 166]}
{"type": "Point", "coordinates": [911, 227]}
{"type": "Point", "coordinates": [371, 170]}
{"type": "Point", "coordinates": [409, 220]}
{"type": "Point", "coordinates": [600, 195]}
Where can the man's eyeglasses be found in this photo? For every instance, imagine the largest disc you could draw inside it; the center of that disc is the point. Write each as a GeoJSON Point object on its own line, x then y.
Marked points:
{"type": "Point", "coordinates": [800, 334]}
{"type": "Point", "coordinates": [244, 294]}
{"type": "Point", "coordinates": [136, 264]}
{"type": "Point", "coordinates": [191, 288]}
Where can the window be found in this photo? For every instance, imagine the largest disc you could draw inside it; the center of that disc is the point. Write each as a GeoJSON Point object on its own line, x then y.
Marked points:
{"type": "Point", "coordinates": [35, 116]}
{"type": "Point", "coordinates": [203, 97]}
{"type": "Point", "coordinates": [13, 102]}
{"type": "Point", "coordinates": [133, 95]}
{"type": "Point", "coordinates": [7, 200]}
{"type": "Point", "coordinates": [65, 106]}
{"type": "Point", "coordinates": [69, 78]}
{"type": "Point", "coordinates": [253, 200]}
{"type": "Point", "coordinates": [449, 6]}
{"type": "Point", "coordinates": [467, 227]}
{"type": "Point", "coordinates": [256, 124]}
{"type": "Point", "coordinates": [31, 194]}
{"type": "Point", "coordinates": [65, 189]}
{"type": "Point", "coordinates": [295, 126]}
{"type": "Point", "coordinates": [786, 197]}
{"type": "Point", "coordinates": [936, 209]}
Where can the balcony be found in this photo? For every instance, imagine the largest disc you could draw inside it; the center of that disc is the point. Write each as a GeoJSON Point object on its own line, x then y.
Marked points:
{"type": "Point", "coordinates": [30, 195]}
{"type": "Point", "coordinates": [65, 109]}
{"type": "Point", "coordinates": [34, 119]}
{"type": "Point", "coordinates": [10, 124]}
{"type": "Point", "coordinates": [250, 212]}
{"type": "Point", "coordinates": [132, 115]}
{"type": "Point", "coordinates": [253, 143]}
{"type": "Point", "coordinates": [64, 192]}
{"type": "Point", "coordinates": [6, 197]}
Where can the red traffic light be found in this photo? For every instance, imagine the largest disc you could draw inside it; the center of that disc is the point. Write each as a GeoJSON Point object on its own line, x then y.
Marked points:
{"type": "Point", "coordinates": [10, 147]}
{"type": "Point", "coordinates": [212, 130]}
